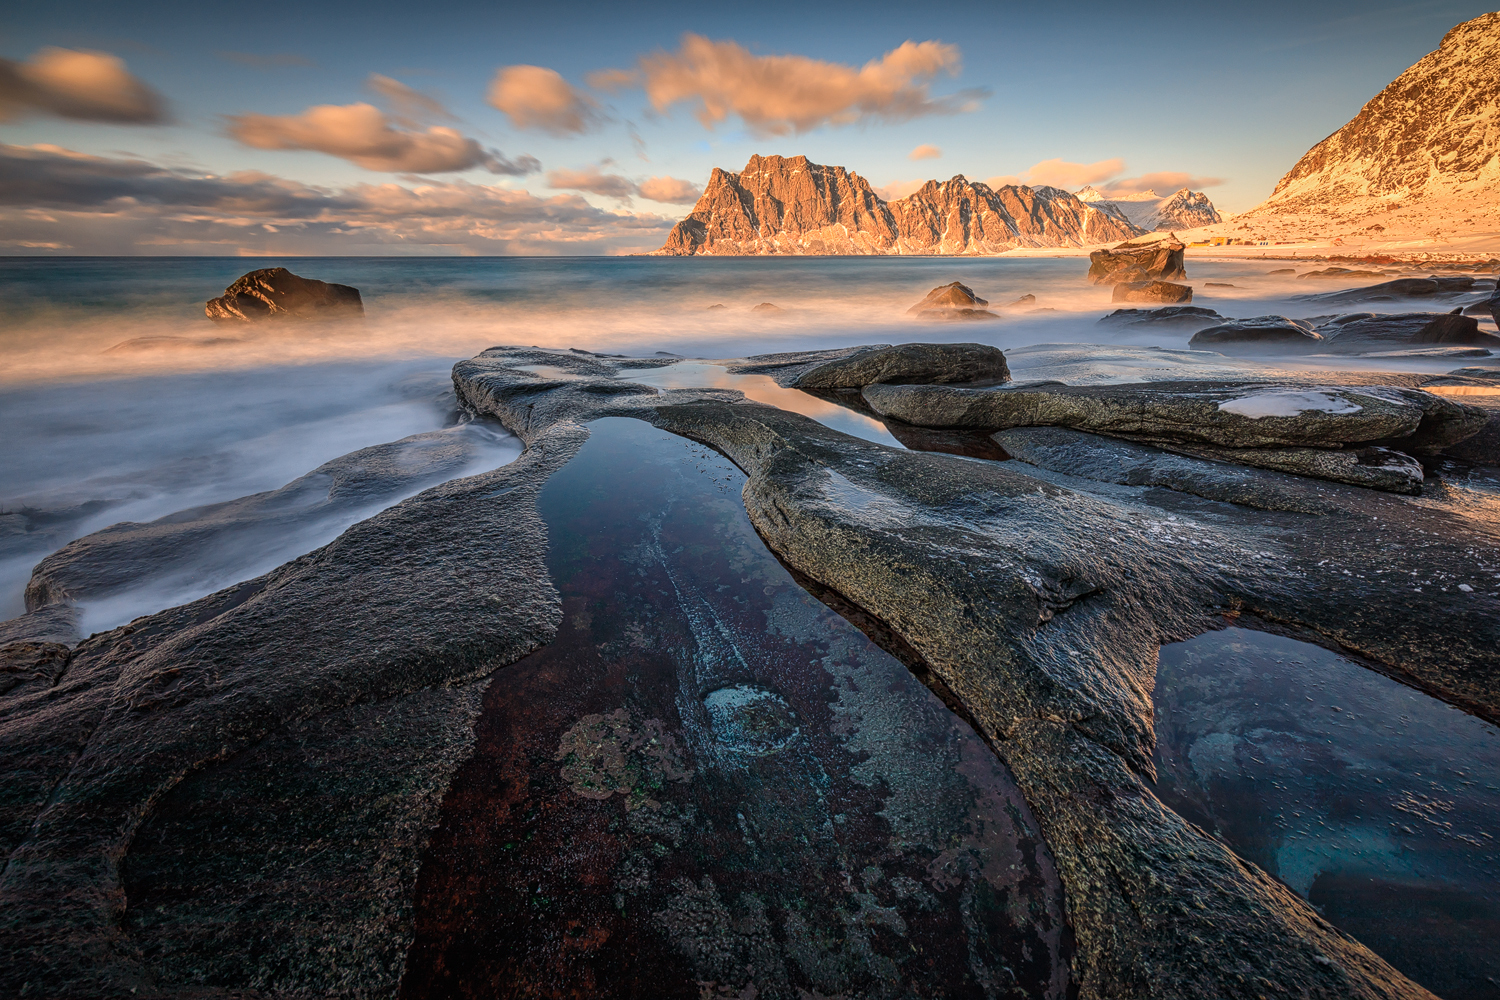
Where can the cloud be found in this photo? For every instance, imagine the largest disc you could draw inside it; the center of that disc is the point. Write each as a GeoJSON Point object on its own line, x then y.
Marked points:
{"type": "Point", "coordinates": [1061, 173]}
{"type": "Point", "coordinates": [87, 86]}
{"type": "Point", "coordinates": [778, 95]}
{"type": "Point", "coordinates": [537, 97]}
{"type": "Point", "coordinates": [55, 198]}
{"type": "Point", "coordinates": [275, 60]}
{"type": "Point", "coordinates": [924, 152]}
{"type": "Point", "coordinates": [410, 107]}
{"type": "Point", "coordinates": [670, 191]}
{"type": "Point", "coordinates": [1164, 182]}
{"type": "Point", "coordinates": [592, 180]}
{"type": "Point", "coordinates": [1004, 180]}
{"type": "Point", "coordinates": [361, 134]}
{"type": "Point", "coordinates": [896, 190]}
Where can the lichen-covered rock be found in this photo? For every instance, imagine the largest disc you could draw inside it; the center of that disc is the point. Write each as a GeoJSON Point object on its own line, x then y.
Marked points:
{"type": "Point", "coordinates": [276, 293]}
{"type": "Point", "coordinates": [910, 364]}
{"type": "Point", "coordinates": [1151, 258]}
{"type": "Point", "coordinates": [1151, 291]}
{"type": "Point", "coordinates": [1256, 335]}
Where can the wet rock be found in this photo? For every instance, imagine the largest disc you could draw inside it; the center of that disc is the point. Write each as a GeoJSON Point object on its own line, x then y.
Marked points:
{"type": "Point", "coordinates": [1373, 468]}
{"type": "Point", "coordinates": [909, 364]}
{"type": "Point", "coordinates": [397, 606]}
{"type": "Point", "coordinates": [1217, 284]}
{"type": "Point", "coordinates": [716, 305]}
{"type": "Point", "coordinates": [52, 623]}
{"type": "Point", "coordinates": [1339, 273]}
{"type": "Point", "coordinates": [1025, 300]}
{"type": "Point", "coordinates": [953, 301]}
{"type": "Point", "coordinates": [1156, 257]}
{"type": "Point", "coordinates": [767, 307]}
{"type": "Point", "coordinates": [1482, 448]}
{"type": "Point", "coordinates": [27, 664]}
{"type": "Point", "coordinates": [276, 293]}
{"type": "Point", "coordinates": [1257, 335]}
{"type": "Point", "coordinates": [786, 366]}
{"type": "Point", "coordinates": [1166, 318]}
{"type": "Point", "coordinates": [1151, 291]}
{"type": "Point", "coordinates": [1455, 329]}
{"type": "Point", "coordinates": [138, 345]}
{"type": "Point", "coordinates": [1283, 270]}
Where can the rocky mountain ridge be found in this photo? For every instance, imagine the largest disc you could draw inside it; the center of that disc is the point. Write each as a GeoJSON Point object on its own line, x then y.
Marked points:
{"type": "Point", "coordinates": [789, 205]}
{"type": "Point", "coordinates": [1183, 209]}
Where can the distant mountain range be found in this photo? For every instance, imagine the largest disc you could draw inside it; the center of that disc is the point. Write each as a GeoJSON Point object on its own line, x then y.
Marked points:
{"type": "Point", "coordinates": [1151, 212]}
{"type": "Point", "coordinates": [1423, 154]}
{"type": "Point", "coordinates": [789, 205]}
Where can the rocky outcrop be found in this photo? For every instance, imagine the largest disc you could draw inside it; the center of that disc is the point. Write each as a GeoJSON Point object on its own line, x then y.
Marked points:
{"type": "Point", "coordinates": [1395, 291]}
{"type": "Point", "coordinates": [951, 301]}
{"type": "Point", "coordinates": [910, 364]}
{"type": "Point", "coordinates": [276, 293]}
{"type": "Point", "coordinates": [1455, 328]}
{"type": "Point", "coordinates": [1258, 334]}
{"type": "Point", "coordinates": [789, 205]}
{"type": "Point", "coordinates": [1427, 139]}
{"type": "Point", "coordinates": [1151, 291]}
{"type": "Point", "coordinates": [1366, 333]}
{"type": "Point", "coordinates": [1157, 258]}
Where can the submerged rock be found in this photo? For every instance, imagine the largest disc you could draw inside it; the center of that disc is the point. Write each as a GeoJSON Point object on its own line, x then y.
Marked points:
{"type": "Point", "coordinates": [909, 364]}
{"type": "Point", "coordinates": [1167, 317]}
{"type": "Point", "coordinates": [1257, 334]}
{"type": "Point", "coordinates": [1025, 300]}
{"type": "Point", "coordinates": [1150, 258]}
{"type": "Point", "coordinates": [275, 292]}
{"type": "Point", "coordinates": [1151, 291]}
{"type": "Point", "coordinates": [767, 307]}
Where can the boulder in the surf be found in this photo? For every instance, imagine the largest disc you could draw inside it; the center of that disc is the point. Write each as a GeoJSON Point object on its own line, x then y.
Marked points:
{"type": "Point", "coordinates": [910, 364]}
{"type": "Point", "coordinates": [276, 293]}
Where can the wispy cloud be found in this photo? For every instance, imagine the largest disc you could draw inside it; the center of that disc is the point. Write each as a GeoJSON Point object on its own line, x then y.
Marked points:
{"type": "Point", "coordinates": [924, 152]}
{"type": "Point", "coordinates": [55, 197]}
{"type": "Point", "coordinates": [538, 97]}
{"type": "Point", "coordinates": [1163, 182]}
{"type": "Point", "coordinates": [409, 107]}
{"type": "Point", "coordinates": [363, 135]}
{"type": "Point", "coordinates": [86, 86]}
{"type": "Point", "coordinates": [1061, 173]}
{"type": "Point", "coordinates": [1105, 175]}
{"type": "Point", "coordinates": [670, 191]}
{"type": "Point", "coordinates": [783, 94]}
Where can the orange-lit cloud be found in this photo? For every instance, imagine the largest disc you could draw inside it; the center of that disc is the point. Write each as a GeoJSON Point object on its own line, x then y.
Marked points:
{"type": "Point", "coordinates": [88, 86]}
{"type": "Point", "coordinates": [537, 97]}
{"type": "Point", "coordinates": [778, 95]}
{"type": "Point", "coordinates": [670, 191]}
{"type": "Point", "coordinates": [363, 135]}
{"type": "Point", "coordinates": [924, 152]}
{"type": "Point", "coordinates": [594, 181]}
{"type": "Point", "coordinates": [1164, 182]}
{"type": "Point", "coordinates": [408, 106]}
{"type": "Point", "coordinates": [897, 190]}
{"type": "Point", "coordinates": [1061, 173]}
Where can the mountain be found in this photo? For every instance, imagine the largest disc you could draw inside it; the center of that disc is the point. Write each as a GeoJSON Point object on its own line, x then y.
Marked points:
{"type": "Point", "coordinates": [1424, 149]}
{"type": "Point", "coordinates": [789, 205]}
{"type": "Point", "coordinates": [1150, 211]}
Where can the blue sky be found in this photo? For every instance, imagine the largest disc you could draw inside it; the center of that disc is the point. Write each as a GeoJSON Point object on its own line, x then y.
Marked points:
{"type": "Point", "coordinates": [1235, 93]}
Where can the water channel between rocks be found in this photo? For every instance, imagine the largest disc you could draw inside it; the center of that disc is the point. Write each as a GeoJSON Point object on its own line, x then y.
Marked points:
{"type": "Point", "coordinates": [710, 784]}
{"type": "Point", "coordinates": [1377, 803]}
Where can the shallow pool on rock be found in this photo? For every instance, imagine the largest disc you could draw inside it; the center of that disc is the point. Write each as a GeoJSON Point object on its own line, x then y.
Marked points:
{"type": "Point", "coordinates": [1378, 804]}
{"type": "Point", "coordinates": [710, 784]}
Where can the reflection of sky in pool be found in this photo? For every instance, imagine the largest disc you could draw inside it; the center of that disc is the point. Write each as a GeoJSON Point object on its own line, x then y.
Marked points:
{"type": "Point", "coordinates": [1378, 804]}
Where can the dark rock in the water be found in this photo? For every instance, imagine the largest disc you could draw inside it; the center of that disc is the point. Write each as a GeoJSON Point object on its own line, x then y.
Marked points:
{"type": "Point", "coordinates": [1364, 333]}
{"type": "Point", "coordinates": [954, 295]}
{"type": "Point", "coordinates": [1167, 317]}
{"type": "Point", "coordinates": [1227, 415]}
{"type": "Point", "coordinates": [275, 292]}
{"type": "Point", "coordinates": [1151, 291]}
{"type": "Point", "coordinates": [50, 623]}
{"type": "Point", "coordinates": [909, 364]}
{"type": "Point", "coordinates": [1217, 284]}
{"type": "Point", "coordinates": [1455, 329]}
{"type": "Point", "coordinates": [1483, 448]}
{"type": "Point", "coordinates": [1154, 258]}
{"type": "Point", "coordinates": [767, 307]}
{"type": "Point", "coordinates": [1373, 468]}
{"type": "Point", "coordinates": [716, 305]}
{"type": "Point", "coordinates": [953, 301]}
{"type": "Point", "coordinates": [1025, 300]}
{"type": "Point", "coordinates": [1257, 335]}
{"type": "Point", "coordinates": [1400, 288]}
{"type": "Point", "coordinates": [1283, 270]}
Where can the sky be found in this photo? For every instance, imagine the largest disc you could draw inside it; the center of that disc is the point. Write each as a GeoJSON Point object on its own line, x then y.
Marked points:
{"type": "Point", "coordinates": [590, 128]}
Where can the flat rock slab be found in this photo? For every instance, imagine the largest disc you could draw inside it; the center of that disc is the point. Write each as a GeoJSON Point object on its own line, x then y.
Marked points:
{"type": "Point", "coordinates": [1227, 415]}
{"type": "Point", "coordinates": [1258, 334]}
{"type": "Point", "coordinates": [1165, 318]}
